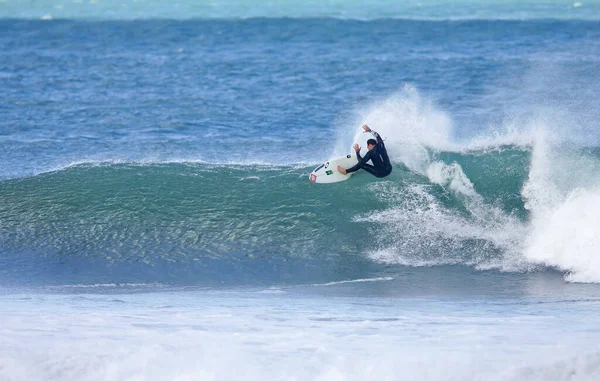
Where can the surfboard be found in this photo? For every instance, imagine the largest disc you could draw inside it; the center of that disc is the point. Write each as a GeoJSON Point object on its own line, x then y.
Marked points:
{"type": "Point", "coordinates": [327, 172]}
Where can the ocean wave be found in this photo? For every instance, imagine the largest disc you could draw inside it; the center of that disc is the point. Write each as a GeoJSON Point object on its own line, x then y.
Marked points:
{"type": "Point", "coordinates": [512, 208]}
{"type": "Point", "coordinates": [516, 201]}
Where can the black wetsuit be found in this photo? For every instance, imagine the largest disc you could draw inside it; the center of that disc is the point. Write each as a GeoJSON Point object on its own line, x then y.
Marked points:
{"type": "Point", "coordinates": [381, 162]}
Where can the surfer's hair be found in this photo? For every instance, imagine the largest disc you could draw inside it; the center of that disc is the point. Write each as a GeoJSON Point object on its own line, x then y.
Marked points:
{"type": "Point", "coordinates": [372, 141]}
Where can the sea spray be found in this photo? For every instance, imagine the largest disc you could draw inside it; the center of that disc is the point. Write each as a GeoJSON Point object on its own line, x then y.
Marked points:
{"type": "Point", "coordinates": [409, 123]}
{"type": "Point", "coordinates": [443, 219]}
{"type": "Point", "coordinates": [559, 180]}
{"type": "Point", "coordinates": [563, 195]}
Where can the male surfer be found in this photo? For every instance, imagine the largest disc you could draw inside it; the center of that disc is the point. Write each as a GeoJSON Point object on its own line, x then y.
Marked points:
{"type": "Point", "coordinates": [377, 154]}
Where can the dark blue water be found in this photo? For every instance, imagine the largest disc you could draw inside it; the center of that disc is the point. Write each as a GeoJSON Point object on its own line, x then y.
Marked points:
{"type": "Point", "coordinates": [267, 89]}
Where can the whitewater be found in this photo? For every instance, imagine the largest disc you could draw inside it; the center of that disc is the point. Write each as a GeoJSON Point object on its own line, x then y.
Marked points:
{"type": "Point", "coordinates": [157, 221]}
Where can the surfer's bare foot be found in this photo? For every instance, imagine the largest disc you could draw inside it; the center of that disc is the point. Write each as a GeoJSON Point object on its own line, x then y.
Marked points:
{"type": "Point", "coordinates": [341, 169]}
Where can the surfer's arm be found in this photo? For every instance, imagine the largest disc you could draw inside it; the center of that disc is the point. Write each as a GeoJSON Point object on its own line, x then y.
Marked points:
{"type": "Point", "coordinates": [365, 158]}
{"type": "Point", "coordinates": [357, 149]}
{"type": "Point", "coordinates": [368, 129]}
{"type": "Point", "coordinates": [379, 140]}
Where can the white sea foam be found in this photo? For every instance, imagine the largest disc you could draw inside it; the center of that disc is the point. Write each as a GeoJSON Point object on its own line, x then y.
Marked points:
{"type": "Point", "coordinates": [254, 165]}
{"type": "Point", "coordinates": [563, 195]}
{"type": "Point", "coordinates": [272, 290]}
{"type": "Point", "coordinates": [567, 236]}
{"type": "Point", "coordinates": [221, 336]}
{"type": "Point", "coordinates": [363, 280]}
{"type": "Point", "coordinates": [420, 231]}
{"type": "Point", "coordinates": [71, 287]}
{"type": "Point", "coordinates": [452, 176]}
{"type": "Point", "coordinates": [578, 368]}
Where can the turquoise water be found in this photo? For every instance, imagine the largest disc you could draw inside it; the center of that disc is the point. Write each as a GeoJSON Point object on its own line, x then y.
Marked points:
{"type": "Point", "coordinates": [157, 221]}
{"type": "Point", "coordinates": [216, 223]}
{"type": "Point", "coordinates": [360, 10]}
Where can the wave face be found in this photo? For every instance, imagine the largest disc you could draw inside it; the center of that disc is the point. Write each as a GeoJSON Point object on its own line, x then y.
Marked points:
{"type": "Point", "coordinates": [211, 223]}
{"type": "Point", "coordinates": [507, 208]}
{"type": "Point", "coordinates": [164, 221]}
{"type": "Point", "coordinates": [349, 9]}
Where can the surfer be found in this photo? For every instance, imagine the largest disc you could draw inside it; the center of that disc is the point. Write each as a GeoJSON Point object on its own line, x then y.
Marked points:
{"type": "Point", "coordinates": [377, 154]}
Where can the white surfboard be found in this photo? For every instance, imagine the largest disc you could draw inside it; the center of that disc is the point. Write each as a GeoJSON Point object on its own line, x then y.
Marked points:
{"type": "Point", "coordinates": [328, 173]}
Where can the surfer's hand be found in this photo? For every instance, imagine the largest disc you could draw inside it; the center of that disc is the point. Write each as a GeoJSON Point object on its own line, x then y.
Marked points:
{"type": "Point", "coordinates": [357, 147]}
{"type": "Point", "coordinates": [366, 128]}
{"type": "Point", "coordinates": [341, 169]}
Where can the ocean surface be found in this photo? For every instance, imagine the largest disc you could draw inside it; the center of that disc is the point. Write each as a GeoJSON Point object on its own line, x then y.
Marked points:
{"type": "Point", "coordinates": [157, 221]}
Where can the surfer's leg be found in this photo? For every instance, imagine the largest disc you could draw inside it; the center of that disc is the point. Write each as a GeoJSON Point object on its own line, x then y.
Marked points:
{"type": "Point", "coordinates": [375, 171]}
{"type": "Point", "coordinates": [369, 168]}
{"type": "Point", "coordinates": [353, 169]}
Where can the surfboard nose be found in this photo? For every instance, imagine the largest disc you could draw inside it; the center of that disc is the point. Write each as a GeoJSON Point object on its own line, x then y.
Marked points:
{"type": "Point", "coordinates": [328, 172]}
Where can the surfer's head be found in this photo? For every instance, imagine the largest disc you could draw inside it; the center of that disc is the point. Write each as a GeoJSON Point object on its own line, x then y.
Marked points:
{"type": "Point", "coordinates": [371, 143]}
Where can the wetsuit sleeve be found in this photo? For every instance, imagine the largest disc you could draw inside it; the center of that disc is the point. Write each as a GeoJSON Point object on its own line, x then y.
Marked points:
{"type": "Point", "coordinates": [379, 140]}
{"type": "Point", "coordinates": [361, 161]}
